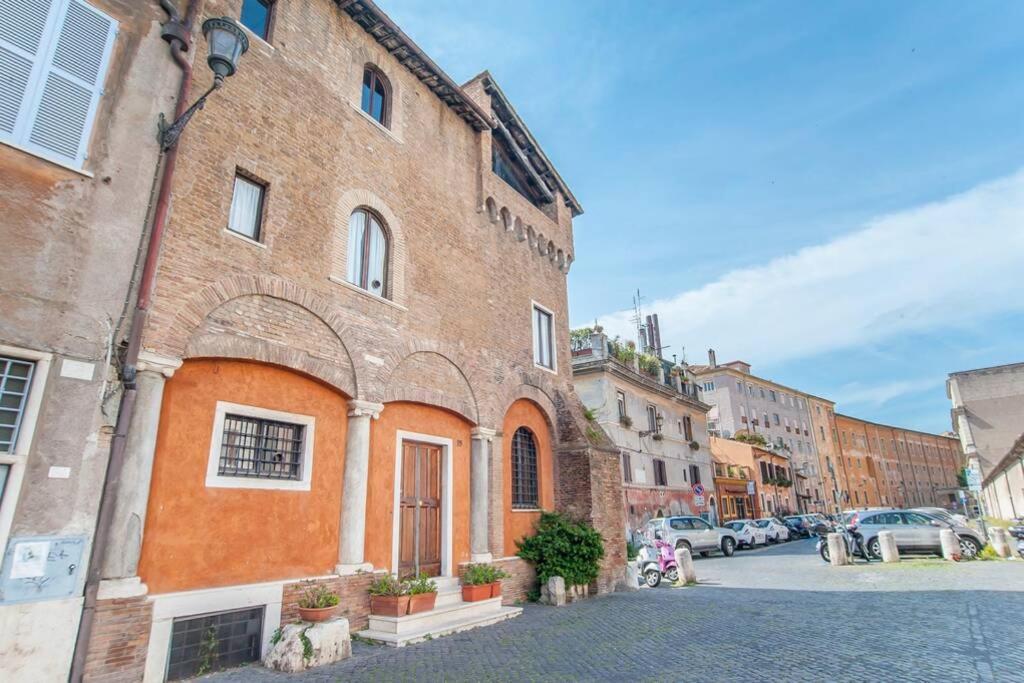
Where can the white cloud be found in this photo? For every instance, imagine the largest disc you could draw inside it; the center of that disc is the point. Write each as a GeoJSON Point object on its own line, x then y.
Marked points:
{"type": "Point", "coordinates": [946, 264]}
{"type": "Point", "coordinates": [877, 395]}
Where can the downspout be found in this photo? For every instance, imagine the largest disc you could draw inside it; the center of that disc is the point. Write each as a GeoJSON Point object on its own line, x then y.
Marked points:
{"type": "Point", "coordinates": [178, 33]}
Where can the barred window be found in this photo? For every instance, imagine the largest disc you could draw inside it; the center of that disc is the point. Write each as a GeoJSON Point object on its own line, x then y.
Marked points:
{"type": "Point", "coordinates": [524, 470]}
{"type": "Point", "coordinates": [266, 449]}
{"type": "Point", "coordinates": [15, 379]}
{"type": "Point", "coordinates": [212, 642]}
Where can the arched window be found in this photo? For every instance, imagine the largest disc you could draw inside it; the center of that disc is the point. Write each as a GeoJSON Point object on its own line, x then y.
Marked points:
{"type": "Point", "coordinates": [524, 470]}
{"type": "Point", "coordinates": [367, 252]}
{"type": "Point", "coordinates": [376, 96]}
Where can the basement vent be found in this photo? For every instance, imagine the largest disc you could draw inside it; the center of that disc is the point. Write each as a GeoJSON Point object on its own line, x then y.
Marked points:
{"type": "Point", "coordinates": [211, 642]}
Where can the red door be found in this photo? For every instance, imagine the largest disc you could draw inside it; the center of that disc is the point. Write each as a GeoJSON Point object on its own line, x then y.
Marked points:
{"type": "Point", "coordinates": [419, 545]}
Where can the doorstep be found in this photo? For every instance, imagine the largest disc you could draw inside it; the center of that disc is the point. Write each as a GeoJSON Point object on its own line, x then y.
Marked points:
{"type": "Point", "coordinates": [443, 620]}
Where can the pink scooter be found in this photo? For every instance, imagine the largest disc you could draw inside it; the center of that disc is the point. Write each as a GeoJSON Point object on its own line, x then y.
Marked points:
{"type": "Point", "coordinates": [657, 561]}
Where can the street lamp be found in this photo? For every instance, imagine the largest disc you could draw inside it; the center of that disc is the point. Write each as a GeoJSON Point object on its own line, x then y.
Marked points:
{"type": "Point", "coordinates": [226, 43]}
{"type": "Point", "coordinates": [658, 421]}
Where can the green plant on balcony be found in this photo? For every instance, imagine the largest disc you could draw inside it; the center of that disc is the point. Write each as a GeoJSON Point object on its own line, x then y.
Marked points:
{"type": "Point", "coordinates": [753, 439]}
{"type": "Point", "coordinates": [626, 421]}
{"type": "Point", "coordinates": [649, 363]}
{"type": "Point", "coordinates": [624, 352]}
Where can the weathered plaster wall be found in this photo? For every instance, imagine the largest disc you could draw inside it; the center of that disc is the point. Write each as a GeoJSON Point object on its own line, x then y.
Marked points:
{"type": "Point", "coordinates": [520, 523]}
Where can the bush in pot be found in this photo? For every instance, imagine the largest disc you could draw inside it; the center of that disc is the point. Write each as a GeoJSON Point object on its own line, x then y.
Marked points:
{"type": "Point", "coordinates": [496, 575]}
{"type": "Point", "coordinates": [476, 582]}
{"type": "Point", "coordinates": [389, 597]}
{"type": "Point", "coordinates": [318, 603]}
{"type": "Point", "coordinates": [422, 594]}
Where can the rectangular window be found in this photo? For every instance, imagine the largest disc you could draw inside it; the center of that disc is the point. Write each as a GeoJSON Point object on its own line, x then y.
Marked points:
{"type": "Point", "coordinates": [257, 16]}
{"type": "Point", "coordinates": [543, 345]}
{"type": "Point", "coordinates": [15, 380]}
{"type": "Point", "coordinates": [688, 428]}
{"type": "Point", "coordinates": [764, 472]}
{"type": "Point", "coordinates": [266, 449]}
{"type": "Point", "coordinates": [694, 474]}
{"type": "Point", "coordinates": [621, 398]}
{"type": "Point", "coordinates": [766, 422]}
{"type": "Point", "coordinates": [53, 57]}
{"type": "Point", "coordinates": [212, 642]}
{"type": "Point", "coordinates": [822, 431]}
{"type": "Point", "coordinates": [775, 416]}
{"type": "Point", "coordinates": [709, 386]}
{"type": "Point", "coordinates": [762, 392]}
{"type": "Point", "coordinates": [652, 418]}
{"type": "Point", "coordinates": [246, 217]}
{"type": "Point", "coordinates": [660, 475]}
{"type": "Point", "coordinates": [772, 396]}
{"type": "Point", "coordinates": [627, 468]}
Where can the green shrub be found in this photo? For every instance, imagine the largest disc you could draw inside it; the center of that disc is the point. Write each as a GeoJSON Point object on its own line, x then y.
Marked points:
{"type": "Point", "coordinates": [420, 585]}
{"type": "Point", "coordinates": [562, 547]}
{"type": "Point", "coordinates": [317, 597]}
{"type": "Point", "coordinates": [988, 553]}
{"type": "Point", "coordinates": [477, 575]}
{"type": "Point", "coordinates": [632, 550]}
{"type": "Point", "coordinates": [387, 586]}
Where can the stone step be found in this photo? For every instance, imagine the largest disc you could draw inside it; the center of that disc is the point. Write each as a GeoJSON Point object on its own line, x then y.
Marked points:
{"type": "Point", "coordinates": [439, 616]}
{"type": "Point", "coordinates": [457, 621]}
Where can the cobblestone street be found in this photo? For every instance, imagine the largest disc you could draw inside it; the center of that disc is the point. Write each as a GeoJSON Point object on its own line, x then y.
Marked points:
{"type": "Point", "coordinates": [775, 614]}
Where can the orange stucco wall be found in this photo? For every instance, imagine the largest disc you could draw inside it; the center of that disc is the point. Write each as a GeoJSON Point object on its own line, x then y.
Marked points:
{"type": "Point", "coordinates": [380, 495]}
{"type": "Point", "coordinates": [525, 413]}
{"type": "Point", "coordinates": [199, 537]}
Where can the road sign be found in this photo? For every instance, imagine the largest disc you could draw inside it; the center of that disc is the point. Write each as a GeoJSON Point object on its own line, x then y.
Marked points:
{"type": "Point", "coordinates": [750, 488]}
{"type": "Point", "coordinates": [974, 478]}
{"type": "Point", "coordinates": [698, 501]}
{"type": "Point", "coordinates": [698, 489]}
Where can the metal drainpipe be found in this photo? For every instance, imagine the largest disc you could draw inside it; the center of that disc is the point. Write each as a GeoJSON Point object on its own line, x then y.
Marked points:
{"type": "Point", "coordinates": [177, 33]}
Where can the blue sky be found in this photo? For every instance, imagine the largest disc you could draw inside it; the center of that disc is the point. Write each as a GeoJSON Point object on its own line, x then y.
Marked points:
{"type": "Point", "coordinates": [830, 191]}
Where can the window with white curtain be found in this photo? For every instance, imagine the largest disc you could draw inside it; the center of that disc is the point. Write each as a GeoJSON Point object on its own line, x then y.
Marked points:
{"type": "Point", "coordinates": [367, 253]}
{"type": "Point", "coordinates": [543, 346]}
{"type": "Point", "coordinates": [246, 215]}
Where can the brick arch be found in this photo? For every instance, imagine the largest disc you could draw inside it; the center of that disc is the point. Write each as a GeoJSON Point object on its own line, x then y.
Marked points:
{"type": "Point", "coordinates": [397, 255]}
{"type": "Point", "coordinates": [536, 391]}
{"type": "Point", "coordinates": [434, 360]}
{"type": "Point", "coordinates": [188, 338]}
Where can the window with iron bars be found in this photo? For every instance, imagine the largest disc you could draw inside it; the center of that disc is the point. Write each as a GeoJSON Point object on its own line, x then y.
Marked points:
{"type": "Point", "coordinates": [211, 642]}
{"type": "Point", "coordinates": [15, 379]}
{"type": "Point", "coordinates": [262, 449]}
{"type": "Point", "coordinates": [524, 470]}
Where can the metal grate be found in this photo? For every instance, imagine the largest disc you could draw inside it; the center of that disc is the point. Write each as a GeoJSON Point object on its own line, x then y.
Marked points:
{"type": "Point", "coordinates": [524, 470]}
{"type": "Point", "coordinates": [211, 642]}
{"type": "Point", "coordinates": [265, 449]}
{"type": "Point", "coordinates": [15, 379]}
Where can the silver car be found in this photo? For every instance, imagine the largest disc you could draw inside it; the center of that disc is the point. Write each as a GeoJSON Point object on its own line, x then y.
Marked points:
{"type": "Point", "coordinates": [694, 533]}
{"type": "Point", "coordinates": [915, 532]}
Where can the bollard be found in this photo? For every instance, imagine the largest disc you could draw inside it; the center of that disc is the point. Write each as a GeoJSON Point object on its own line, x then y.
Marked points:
{"type": "Point", "coordinates": [887, 542]}
{"type": "Point", "coordinates": [998, 537]}
{"type": "Point", "coordinates": [950, 546]}
{"type": "Point", "coordinates": [684, 564]}
{"type": "Point", "coordinates": [837, 555]}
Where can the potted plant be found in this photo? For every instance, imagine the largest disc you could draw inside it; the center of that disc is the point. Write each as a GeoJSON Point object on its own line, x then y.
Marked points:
{"type": "Point", "coordinates": [422, 594]}
{"type": "Point", "coordinates": [496, 575]}
{"type": "Point", "coordinates": [476, 583]}
{"type": "Point", "coordinates": [318, 603]}
{"type": "Point", "coordinates": [626, 421]}
{"type": "Point", "coordinates": [389, 597]}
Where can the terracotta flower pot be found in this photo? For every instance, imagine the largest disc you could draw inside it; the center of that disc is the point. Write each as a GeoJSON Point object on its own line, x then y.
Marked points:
{"type": "Point", "coordinates": [474, 593]}
{"type": "Point", "coordinates": [422, 602]}
{"type": "Point", "coordinates": [317, 613]}
{"type": "Point", "coordinates": [496, 589]}
{"type": "Point", "coordinates": [389, 605]}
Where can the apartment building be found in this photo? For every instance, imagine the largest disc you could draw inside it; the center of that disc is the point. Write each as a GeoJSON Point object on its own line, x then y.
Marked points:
{"type": "Point", "coordinates": [988, 418]}
{"type": "Point", "coordinates": [82, 84]}
{"type": "Point", "coordinates": [655, 417]}
{"type": "Point", "coordinates": [739, 464]}
{"type": "Point", "coordinates": [743, 403]}
{"type": "Point", "coordinates": [830, 463]}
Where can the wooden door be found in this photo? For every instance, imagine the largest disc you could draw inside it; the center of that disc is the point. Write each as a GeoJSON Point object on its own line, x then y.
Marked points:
{"type": "Point", "coordinates": [419, 545]}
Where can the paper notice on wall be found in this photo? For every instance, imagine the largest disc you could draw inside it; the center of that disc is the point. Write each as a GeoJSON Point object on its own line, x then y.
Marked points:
{"type": "Point", "coordinates": [29, 559]}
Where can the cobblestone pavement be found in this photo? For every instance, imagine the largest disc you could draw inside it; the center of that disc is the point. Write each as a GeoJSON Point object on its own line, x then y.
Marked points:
{"type": "Point", "coordinates": [775, 614]}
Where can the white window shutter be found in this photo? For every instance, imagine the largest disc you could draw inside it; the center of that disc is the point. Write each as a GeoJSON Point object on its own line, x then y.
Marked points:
{"type": "Point", "coordinates": [24, 28]}
{"type": "Point", "coordinates": [72, 83]}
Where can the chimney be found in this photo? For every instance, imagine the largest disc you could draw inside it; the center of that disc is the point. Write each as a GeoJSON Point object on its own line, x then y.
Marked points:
{"type": "Point", "coordinates": [711, 358]}
{"type": "Point", "coordinates": [643, 339]}
{"type": "Point", "coordinates": [657, 336]}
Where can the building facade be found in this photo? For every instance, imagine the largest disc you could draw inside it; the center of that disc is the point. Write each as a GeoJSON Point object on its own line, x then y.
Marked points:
{"type": "Point", "coordinates": [354, 362]}
{"type": "Point", "coordinates": [988, 418]}
{"type": "Point", "coordinates": [83, 83]}
{"type": "Point", "coordinates": [830, 464]}
{"type": "Point", "coordinates": [772, 472]}
{"type": "Point", "coordinates": [658, 423]}
{"type": "Point", "coordinates": [743, 403]}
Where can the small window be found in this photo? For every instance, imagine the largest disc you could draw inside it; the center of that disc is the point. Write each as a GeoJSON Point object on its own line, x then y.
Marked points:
{"type": "Point", "coordinates": [694, 474]}
{"type": "Point", "coordinates": [524, 470]}
{"type": "Point", "coordinates": [627, 468]}
{"type": "Point", "coordinates": [15, 380]}
{"type": "Point", "coordinates": [246, 216]}
{"type": "Point", "coordinates": [652, 418]}
{"type": "Point", "coordinates": [265, 449]}
{"type": "Point", "coordinates": [367, 252]}
{"type": "Point", "coordinates": [543, 347]}
{"type": "Point", "coordinates": [771, 395]}
{"type": "Point", "coordinates": [688, 428]}
{"type": "Point", "coordinates": [709, 386]}
{"type": "Point", "coordinates": [376, 101]}
{"type": "Point", "coordinates": [621, 398]}
{"type": "Point", "coordinates": [257, 15]}
{"type": "Point", "coordinates": [660, 474]}
{"type": "Point", "coordinates": [212, 642]}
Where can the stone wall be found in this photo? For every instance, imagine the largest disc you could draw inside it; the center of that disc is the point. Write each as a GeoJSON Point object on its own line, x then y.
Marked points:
{"type": "Point", "coordinates": [522, 580]}
{"type": "Point", "coordinates": [355, 600]}
{"type": "Point", "coordinates": [120, 638]}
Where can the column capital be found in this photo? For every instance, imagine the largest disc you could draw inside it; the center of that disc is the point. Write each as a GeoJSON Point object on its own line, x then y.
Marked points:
{"type": "Point", "coordinates": [357, 408]}
{"type": "Point", "coordinates": [154, 362]}
{"type": "Point", "coordinates": [483, 433]}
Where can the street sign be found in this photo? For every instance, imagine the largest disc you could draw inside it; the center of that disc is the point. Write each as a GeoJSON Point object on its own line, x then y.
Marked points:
{"type": "Point", "coordinates": [750, 488]}
{"type": "Point", "coordinates": [698, 501]}
{"type": "Point", "coordinates": [974, 478]}
{"type": "Point", "coordinates": [698, 489]}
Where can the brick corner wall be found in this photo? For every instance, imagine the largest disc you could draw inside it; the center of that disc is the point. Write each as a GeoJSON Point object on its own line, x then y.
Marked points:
{"type": "Point", "coordinates": [352, 591]}
{"type": "Point", "coordinates": [120, 640]}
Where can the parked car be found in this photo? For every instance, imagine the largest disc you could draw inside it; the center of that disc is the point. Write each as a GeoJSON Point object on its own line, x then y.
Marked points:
{"type": "Point", "coordinates": [944, 515]}
{"type": "Point", "coordinates": [694, 533]}
{"type": "Point", "coordinates": [774, 530]}
{"type": "Point", "coordinates": [805, 525]}
{"type": "Point", "coordinates": [914, 532]}
{"type": "Point", "coordinates": [747, 533]}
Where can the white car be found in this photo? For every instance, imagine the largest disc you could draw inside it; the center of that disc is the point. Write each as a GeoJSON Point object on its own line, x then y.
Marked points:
{"type": "Point", "coordinates": [773, 530]}
{"type": "Point", "coordinates": [747, 533]}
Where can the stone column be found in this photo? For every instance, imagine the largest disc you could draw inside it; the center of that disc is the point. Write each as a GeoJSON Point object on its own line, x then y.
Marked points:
{"type": "Point", "coordinates": [496, 494]}
{"type": "Point", "coordinates": [121, 561]}
{"type": "Point", "coordinates": [479, 486]}
{"type": "Point", "coordinates": [352, 541]}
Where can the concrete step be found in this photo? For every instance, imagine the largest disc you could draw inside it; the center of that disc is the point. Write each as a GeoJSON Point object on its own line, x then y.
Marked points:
{"type": "Point", "coordinates": [438, 616]}
{"type": "Point", "coordinates": [455, 621]}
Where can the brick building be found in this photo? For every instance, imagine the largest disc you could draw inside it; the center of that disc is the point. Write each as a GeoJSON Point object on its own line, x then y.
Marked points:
{"type": "Point", "coordinates": [355, 360]}
{"type": "Point", "coordinates": [81, 86]}
{"type": "Point", "coordinates": [656, 419]}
